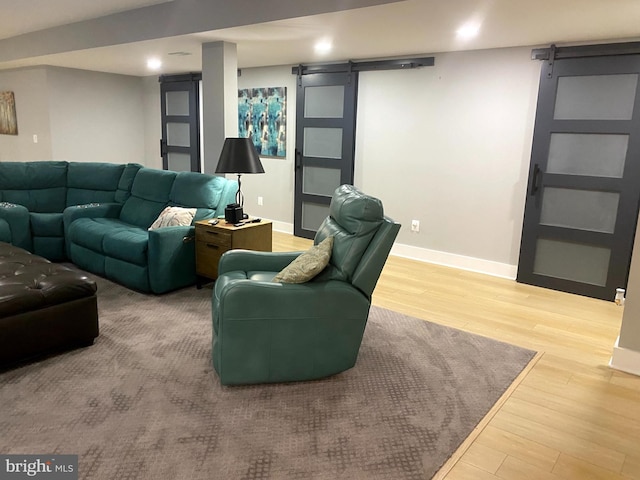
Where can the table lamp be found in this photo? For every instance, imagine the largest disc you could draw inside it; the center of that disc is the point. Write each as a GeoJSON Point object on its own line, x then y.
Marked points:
{"type": "Point", "coordinates": [238, 156]}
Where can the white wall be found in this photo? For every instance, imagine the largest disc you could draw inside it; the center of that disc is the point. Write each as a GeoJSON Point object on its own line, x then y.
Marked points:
{"type": "Point", "coordinates": [276, 184]}
{"type": "Point", "coordinates": [152, 122]}
{"type": "Point", "coordinates": [96, 117]}
{"type": "Point", "coordinates": [626, 352]}
{"type": "Point", "coordinates": [450, 146]}
{"type": "Point", "coordinates": [447, 145]}
{"type": "Point", "coordinates": [77, 116]}
{"type": "Point", "coordinates": [31, 94]}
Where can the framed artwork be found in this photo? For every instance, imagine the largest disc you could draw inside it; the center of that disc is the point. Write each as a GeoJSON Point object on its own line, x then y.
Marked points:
{"type": "Point", "coordinates": [262, 116]}
{"type": "Point", "coordinates": [8, 119]}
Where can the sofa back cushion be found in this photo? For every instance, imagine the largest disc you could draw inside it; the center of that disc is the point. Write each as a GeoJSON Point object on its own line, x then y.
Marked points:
{"type": "Point", "coordinates": [149, 195]}
{"type": "Point", "coordinates": [126, 181]}
{"type": "Point", "coordinates": [39, 186]}
{"type": "Point", "coordinates": [199, 190]}
{"type": "Point", "coordinates": [89, 182]}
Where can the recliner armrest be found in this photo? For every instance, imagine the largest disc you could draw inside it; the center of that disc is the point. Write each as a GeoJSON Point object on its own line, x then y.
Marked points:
{"type": "Point", "coordinates": [247, 260]}
{"type": "Point", "coordinates": [241, 300]}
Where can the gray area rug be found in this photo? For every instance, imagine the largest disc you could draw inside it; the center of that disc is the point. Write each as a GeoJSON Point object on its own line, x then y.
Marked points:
{"type": "Point", "coordinates": [145, 403]}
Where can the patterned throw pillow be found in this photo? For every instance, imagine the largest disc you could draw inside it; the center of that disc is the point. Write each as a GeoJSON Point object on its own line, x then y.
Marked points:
{"type": "Point", "coordinates": [308, 264]}
{"type": "Point", "coordinates": [174, 217]}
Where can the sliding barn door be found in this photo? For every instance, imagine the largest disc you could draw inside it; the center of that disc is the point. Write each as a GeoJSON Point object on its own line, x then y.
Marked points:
{"type": "Point", "coordinates": [584, 178]}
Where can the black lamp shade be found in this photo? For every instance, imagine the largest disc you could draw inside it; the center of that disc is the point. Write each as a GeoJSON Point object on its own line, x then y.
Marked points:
{"type": "Point", "coordinates": [239, 155]}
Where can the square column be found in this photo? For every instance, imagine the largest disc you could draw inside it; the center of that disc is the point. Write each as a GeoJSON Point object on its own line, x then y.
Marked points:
{"type": "Point", "coordinates": [219, 99]}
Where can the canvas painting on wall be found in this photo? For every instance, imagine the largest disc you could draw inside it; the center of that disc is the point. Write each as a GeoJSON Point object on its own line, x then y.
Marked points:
{"type": "Point", "coordinates": [8, 119]}
{"type": "Point", "coordinates": [262, 116]}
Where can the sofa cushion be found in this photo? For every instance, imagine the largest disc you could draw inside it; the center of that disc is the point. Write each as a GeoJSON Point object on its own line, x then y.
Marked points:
{"type": "Point", "coordinates": [192, 189]}
{"type": "Point", "coordinates": [51, 248]}
{"type": "Point", "coordinates": [89, 182]}
{"type": "Point", "coordinates": [43, 200]}
{"type": "Point", "coordinates": [149, 196]}
{"type": "Point", "coordinates": [90, 232]}
{"type": "Point", "coordinates": [130, 244]}
{"type": "Point", "coordinates": [126, 181]}
{"type": "Point", "coordinates": [39, 186]}
{"type": "Point", "coordinates": [46, 224]}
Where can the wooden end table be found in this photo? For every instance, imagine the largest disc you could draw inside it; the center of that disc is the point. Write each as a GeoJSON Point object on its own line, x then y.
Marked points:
{"type": "Point", "coordinates": [213, 240]}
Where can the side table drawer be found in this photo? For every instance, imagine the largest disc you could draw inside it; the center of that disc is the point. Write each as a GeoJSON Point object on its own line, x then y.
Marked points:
{"type": "Point", "coordinates": [213, 236]}
{"type": "Point", "coordinates": [208, 255]}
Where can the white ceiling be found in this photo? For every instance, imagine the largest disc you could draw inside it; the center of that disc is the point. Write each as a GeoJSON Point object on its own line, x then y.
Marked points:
{"type": "Point", "coordinates": [402, 28]}
{"type": "Point", "coordinates": [23, 16]}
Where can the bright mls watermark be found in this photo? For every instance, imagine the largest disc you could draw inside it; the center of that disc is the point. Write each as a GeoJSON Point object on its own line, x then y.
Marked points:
{"type": "Point", "coordinates": [50, 467]}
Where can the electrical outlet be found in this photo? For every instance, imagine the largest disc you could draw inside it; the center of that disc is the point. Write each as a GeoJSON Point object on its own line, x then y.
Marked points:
{"type": "Point", "coordinates": [260, 201]}
{"type": "Point", "coordinates": [415, 225]}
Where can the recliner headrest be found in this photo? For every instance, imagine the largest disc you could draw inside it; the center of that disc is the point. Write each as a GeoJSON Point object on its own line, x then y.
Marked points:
{"type": "Point", "coordinates": [353, 220]}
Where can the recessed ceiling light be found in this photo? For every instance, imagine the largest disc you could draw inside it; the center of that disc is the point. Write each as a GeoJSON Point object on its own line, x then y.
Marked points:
{"type": "Point", "coordinates": [323, 47]}
{"type": "Point", "coordinates": [468, 31]}
{"type": "Point", "coordinates": [154, 64]}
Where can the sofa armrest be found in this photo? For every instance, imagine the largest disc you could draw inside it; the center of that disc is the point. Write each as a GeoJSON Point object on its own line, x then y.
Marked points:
{"type": "Point", "coordinates": [172, 258]}
{"type": "Point", "coordinates": [245, 260]}
{"type": "Point", "coordinates": [17, 218]}
{"type": "Point", "coordinates": [91, 210]}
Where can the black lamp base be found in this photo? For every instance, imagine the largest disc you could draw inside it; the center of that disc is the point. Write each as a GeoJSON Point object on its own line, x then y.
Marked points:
{"type": "Point", "coordinates": [233, 213]}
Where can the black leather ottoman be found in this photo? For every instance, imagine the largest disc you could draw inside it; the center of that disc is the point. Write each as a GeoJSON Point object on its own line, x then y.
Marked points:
{"type": "Point", "coordinates": [44, 307]}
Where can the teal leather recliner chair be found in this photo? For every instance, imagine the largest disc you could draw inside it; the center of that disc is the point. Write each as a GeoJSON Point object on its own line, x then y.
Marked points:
{"type": "Point", "coordinates": [280, 332]}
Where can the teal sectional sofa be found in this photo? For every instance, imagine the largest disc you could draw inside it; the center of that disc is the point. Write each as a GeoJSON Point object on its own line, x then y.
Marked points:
{"type": "Point", "coordinates": [97, 215]}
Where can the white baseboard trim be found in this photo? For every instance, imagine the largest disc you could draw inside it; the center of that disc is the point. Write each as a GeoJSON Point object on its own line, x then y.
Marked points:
{"type": "Point", "coordinates": [625, 360]}
{"type": "Point", "coordinates": [446, 259]}
{"type": "Point", "coordinates": [282, 227]}
{"type": "Point", "coordinates": [471, 264]}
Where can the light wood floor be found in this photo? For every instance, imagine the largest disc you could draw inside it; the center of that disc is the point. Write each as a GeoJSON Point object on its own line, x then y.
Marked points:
{"type": "Point", "coordinates": [572, 417]}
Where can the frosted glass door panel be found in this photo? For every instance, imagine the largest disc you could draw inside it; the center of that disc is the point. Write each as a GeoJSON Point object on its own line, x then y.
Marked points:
{"type": "Point", "coordinates": [179, 162]}
{"type": "Point", "coordinates": [596, 155]}
{"type": "Point", "coordinates": [323, 142]}
{"type": "Point", "coordinates": [572, 261]}
{"type": "Point", "coordinates": [178, 103]}
{"type": "Point", "coordinates": [324, 102]}
{"type": "Point", "coordinates": [178, 135]}
{"type": "Point", "coordinates": [313, 214]}
{"type": "Point", "coordinates": [320, 180]}
{"type": "Point", "coordinates": [596, 97]}
{"type": "Point", "coordinates": [581, 209]}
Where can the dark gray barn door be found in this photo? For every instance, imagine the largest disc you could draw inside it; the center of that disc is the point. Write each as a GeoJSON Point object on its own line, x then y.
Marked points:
{"type": "Point", "coordinates": [584, 178]}
{"type": "Point", "coordinates": [180, 107]}
{"type": "Point", "coordinates": [325, 144]}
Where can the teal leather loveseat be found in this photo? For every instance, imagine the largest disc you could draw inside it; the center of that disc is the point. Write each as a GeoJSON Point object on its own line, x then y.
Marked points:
{"type": "Point", "coordinates": [97, 215]}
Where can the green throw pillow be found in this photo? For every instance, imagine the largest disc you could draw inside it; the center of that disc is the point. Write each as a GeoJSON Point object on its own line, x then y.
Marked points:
{"type": "Point", "coordinates": [307, 265]}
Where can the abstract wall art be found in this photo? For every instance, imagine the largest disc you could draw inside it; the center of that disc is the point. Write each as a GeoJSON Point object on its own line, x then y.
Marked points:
{"type": "Point", "coordinates": [262, 115]}
{"type": "Point", "coordinates": [8, 119]}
